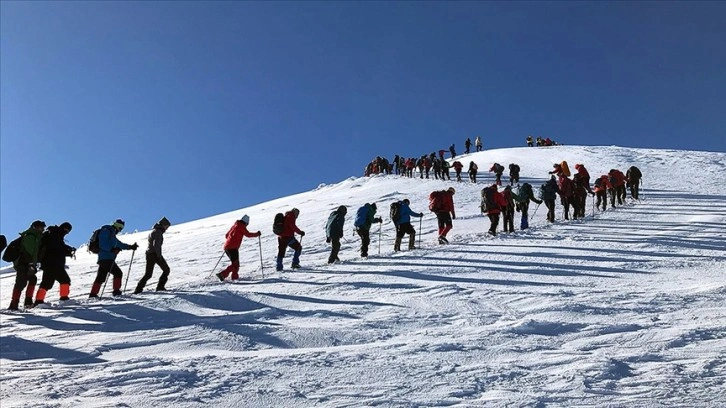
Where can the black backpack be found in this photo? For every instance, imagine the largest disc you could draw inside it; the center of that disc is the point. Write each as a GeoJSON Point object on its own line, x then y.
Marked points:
{"type": "Point", "coordinates": [3, 242]}
{"type": "Point", "coordinates": [487, 199]}
{"type": "Point", "coordinates": [278, 224]}
{"type": "Point", "coordinates": [93, 246]}
{"type": "Point", "coordinates": [634, 173]}
{"type": "Point", "coordinates": [12, 252]}
{"type": "Point", "coordinates": [525, 192]}
{"type": "Point", "coordinates": [395, 211]}
{"type": "Point", "coordinates": [514, 168]}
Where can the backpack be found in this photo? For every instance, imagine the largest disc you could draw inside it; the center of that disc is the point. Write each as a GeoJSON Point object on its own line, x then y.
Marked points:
{"type": "Point", "coordinates": [598, 182]}
{"type": "Point", "coordinates": [278, 224]}
{"type": "Point", "coordinates": [395, 212]}
{"type": "Point", "coordinates": [436, 201]}
{"type": "Point", "coordinates": [12, 252]}
{"type": "Point", "coordinates": [93, 246]}
{"type": "Point", "coordinates": [525, 192]}
{"type": "Point", "coordinates": [487, 200]}
{"type": "Point", "coordinates": [332, 219]}
{"type": "Point", "coordinates": [360, 216]}
{"type": "Point", "coordinates": [514, 168]}
{"type": "Point", "coordinates": [565, 168]}
{"type": "Point", "coordinates": [634, 173]}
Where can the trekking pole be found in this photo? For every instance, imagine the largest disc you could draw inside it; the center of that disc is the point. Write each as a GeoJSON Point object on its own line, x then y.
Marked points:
{"type": "Point", "coordinates": [215, 265]}
{"type": "Point", "coordinates": [535, 210]}
{"type": "Point", "coordinates": [640, 189]}
{"type": "Point", "coordinates": [380, 227]}
{"type": "Point", "coordinates": [262, 268]}
{"type": "Point", "coordinates": [129, 272]}
{"type": "Point", "coordinates": [419, 223]}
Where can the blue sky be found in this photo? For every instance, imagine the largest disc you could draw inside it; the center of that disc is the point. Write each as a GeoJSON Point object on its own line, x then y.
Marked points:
{"type": "Point", "coordinates": [140, 110]}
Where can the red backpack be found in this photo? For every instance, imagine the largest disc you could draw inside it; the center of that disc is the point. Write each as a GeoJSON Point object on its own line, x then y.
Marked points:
{"type": "Point", "coordinates": [436, 201]}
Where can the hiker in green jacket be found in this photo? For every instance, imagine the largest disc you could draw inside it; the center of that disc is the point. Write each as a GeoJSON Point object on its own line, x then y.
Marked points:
{"type": "Point", "coordinates": [522, 200]}
{"type": "Point", "coordinates": [26, 265]}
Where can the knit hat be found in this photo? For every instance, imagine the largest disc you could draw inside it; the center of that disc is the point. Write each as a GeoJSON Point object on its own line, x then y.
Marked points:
{"type": "Point", "coordinates": [66, 226]}
{"type": "Point", "coordinates": [246, 219]}
{"type": "Point", "coordinates": [37, 223]}
{"type": "Point", "coordinates": [119, 224]}
{"type": "Point", "coordinates": [374, 206]}
{"type": "Point", "coordinates": [164, 221]}
{"type": "Point", "coordinates": [452, 190]}
{"type": "Point", "coordinates": [296, 212]}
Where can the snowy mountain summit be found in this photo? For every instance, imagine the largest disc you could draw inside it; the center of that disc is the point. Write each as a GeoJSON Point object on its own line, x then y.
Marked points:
{"type": "Point", "coordinates": [625, 307]}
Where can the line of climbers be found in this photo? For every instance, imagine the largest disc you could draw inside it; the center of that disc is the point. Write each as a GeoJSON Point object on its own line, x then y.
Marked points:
{"type": "Point", "coordinates": [37, 245]}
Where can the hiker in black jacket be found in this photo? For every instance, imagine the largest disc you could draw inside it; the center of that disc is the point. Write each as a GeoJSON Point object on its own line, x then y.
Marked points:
{"type": "Point", "coordinates": [334, 232]}
{"type": "Point", "coordinates": [53, 253]}
{"type": "Point", "coordinates": [549, 194]}
{"type": "Point", "coordinates": [154, 257]}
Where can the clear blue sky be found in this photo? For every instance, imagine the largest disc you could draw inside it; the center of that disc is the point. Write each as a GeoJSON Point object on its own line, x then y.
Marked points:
{"type": "Point", "coordinates": [141, 110]}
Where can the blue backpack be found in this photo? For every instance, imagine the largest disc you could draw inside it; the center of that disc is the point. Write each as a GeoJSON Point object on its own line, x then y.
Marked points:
{"type": "Point", "coordinates": [361, 216]}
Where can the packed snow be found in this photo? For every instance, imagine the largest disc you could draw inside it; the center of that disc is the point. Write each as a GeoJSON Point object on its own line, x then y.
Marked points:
{"type": "Point", "coordinates": [626, 307]}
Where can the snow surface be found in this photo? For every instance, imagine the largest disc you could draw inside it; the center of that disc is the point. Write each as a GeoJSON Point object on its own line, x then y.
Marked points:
{"type": "Point", "coordinates": [623, 308]}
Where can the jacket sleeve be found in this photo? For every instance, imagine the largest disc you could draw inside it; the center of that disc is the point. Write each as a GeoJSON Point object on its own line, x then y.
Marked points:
{"type": "Point", "coordinates": [450, 202]}
{"type": "Point", "coordinates": [246, 232]}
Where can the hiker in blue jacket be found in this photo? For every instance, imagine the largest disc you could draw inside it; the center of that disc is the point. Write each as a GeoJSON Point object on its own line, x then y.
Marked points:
{"type": "Point", "coordinates": [403, 226]}
{"type": "Point", "coordinates": [108, 247]}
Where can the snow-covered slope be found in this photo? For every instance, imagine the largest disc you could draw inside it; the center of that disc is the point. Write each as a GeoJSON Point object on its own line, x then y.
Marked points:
{"type": "Point", "coordinates": [624, 308]}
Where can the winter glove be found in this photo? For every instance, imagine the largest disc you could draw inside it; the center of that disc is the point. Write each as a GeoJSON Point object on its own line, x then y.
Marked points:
{"type": "Point", "coordinates": [378, 220]}
{"type": "Point", "coordinates": [327, 240]}
{"type": "Point", "coordinates": [32, 270]}
{"type": "Point", "coordinates": [302, 233]}
{"type": "Point", "coordinates": [135, 246]}
{"type": "Point", "coordinates": [259, 233]}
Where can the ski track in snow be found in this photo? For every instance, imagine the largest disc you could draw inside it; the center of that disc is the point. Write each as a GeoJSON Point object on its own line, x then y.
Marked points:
{"type": "Point", "coordinates": [623, 308]}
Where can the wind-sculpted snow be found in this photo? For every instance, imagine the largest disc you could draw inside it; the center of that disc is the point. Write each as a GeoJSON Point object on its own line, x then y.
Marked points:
{"type": "Point", "coordinates": [623, 308]}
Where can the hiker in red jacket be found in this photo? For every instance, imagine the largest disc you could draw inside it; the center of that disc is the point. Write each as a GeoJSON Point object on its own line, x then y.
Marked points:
{"type": "Point", "coordinates": [508, 210]}
{"type": "Point", "coordinates": [566, 192]}
{"type": "Point", "coordinates": [231, 246]}
{"type": "Point", "coordinates": [584, 178]}
{"type": "Point", "coordinates": [602, 186]}
{"type": "Point", "coordinates": [617, 179]}
{"type": "Point", "coordinates": [445, 213]}
{"type": "Point", "coordinates": [287, 239]}
{"type": "Point", "coordinates": [499, 203]}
